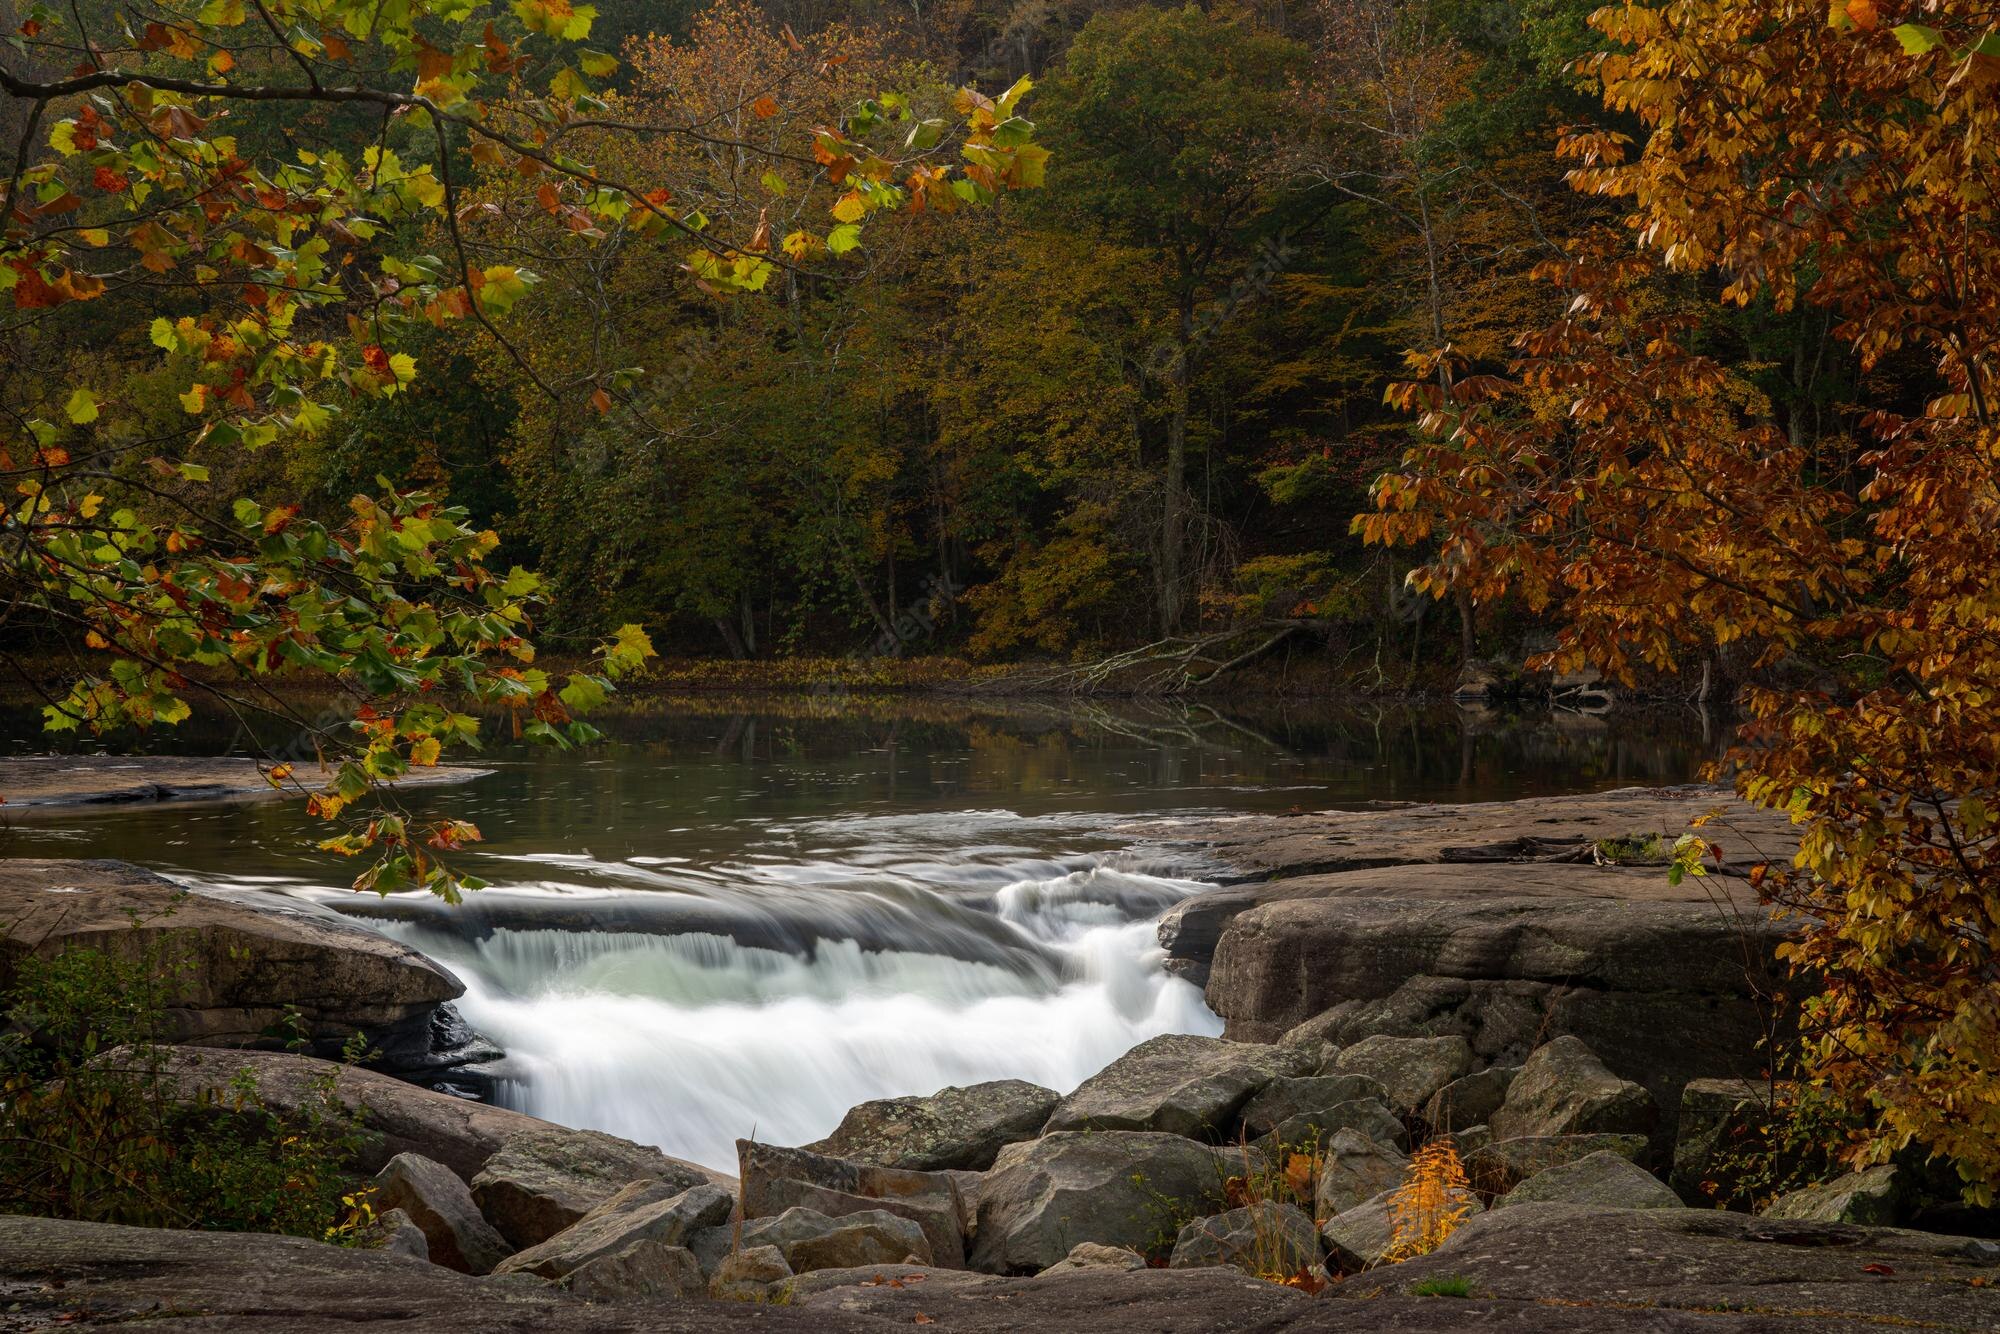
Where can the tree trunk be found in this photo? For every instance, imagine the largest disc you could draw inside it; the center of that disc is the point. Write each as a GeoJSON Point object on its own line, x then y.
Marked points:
{"type": "Point", "coordinates": [1468, 638]}
{"type": "Point", "coordinates": [1173, 527]}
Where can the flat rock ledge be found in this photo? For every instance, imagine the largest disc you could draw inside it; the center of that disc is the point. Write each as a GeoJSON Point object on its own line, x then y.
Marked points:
{"type": "Point", "coordinates": [1498, 922]}
{"type": "Point", "coordinates": [238, 964]}
{"type": "Point", "coordinates": [34, 782]}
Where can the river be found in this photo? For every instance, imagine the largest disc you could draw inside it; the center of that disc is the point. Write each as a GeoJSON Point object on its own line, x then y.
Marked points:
{"type": "Point", "coordinates": [741, 918]}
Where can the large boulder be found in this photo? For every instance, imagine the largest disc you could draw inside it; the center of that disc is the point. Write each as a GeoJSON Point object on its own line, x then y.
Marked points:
{"type": "Point", "coordinates": [1179, 1084]}
{"type": "Point", "coordinates": [1875, 1196]}
{"type": "Point", "coordinates": [441, 1205]}
{"type": "Point", "coordinates": [1308, 1130]}
{"type": "Point", "coordinates": [1563, 1089]}
{"type": "Point", "coordinates": [758, 1275]}
{"type": "Point", "coordinates": [1720, 1122]}
{"type": "Point", "coordinates": [960, 1128]}
{"type": "Point", "coordinates": [1651, 976]}
{"type": "Point", "coordinates": [1603, 1180]}
{"type": "Point", "coordinates": [643, 1211]}
{"type": "Point", "coordinates": [811, 1240]}
{"type": "Point", "coordinates": [1365, 1236]}
{"type": "Point", "coordinates": [645, 1271]}
{"type": "Point", "coordinates": [1497, 1167]}
{"type": "Point", "coordinates": [1282, 1099]}
{"type": "Point", "coordinates": [537, 1184]}
{"type": "Point", "coordinates": [1470, 1100]}
{"type": "Point", "coordinates": [1267, 1238]}
{"type": "Point", "coordinates": [775, 1179]}
{"type": "Point", "coordinates": [1356, 1169]}
{"type": "Point", "coordinates": [1411, 1069]}
{"type": "Point", "coordinates": [397, 1117]}
{"type": "Point", "coordinates": [1119, 1188]}
{"type": "Point", "coordinates": [396, 1233]}
{"type": "Point", "coordinates": [237, 969]}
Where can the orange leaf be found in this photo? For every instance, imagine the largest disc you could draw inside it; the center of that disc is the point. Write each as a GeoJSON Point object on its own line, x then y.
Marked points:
{"type": "Point", "coordinates": [764, 107]}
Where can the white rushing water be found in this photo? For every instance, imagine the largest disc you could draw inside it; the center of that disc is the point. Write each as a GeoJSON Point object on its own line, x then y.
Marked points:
{"type": "Point", "coordinates": [765, 998]}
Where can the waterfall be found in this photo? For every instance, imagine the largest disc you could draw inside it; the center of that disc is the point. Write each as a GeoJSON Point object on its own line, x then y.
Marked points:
{"type": "Point", "coordinates": [766, 998]}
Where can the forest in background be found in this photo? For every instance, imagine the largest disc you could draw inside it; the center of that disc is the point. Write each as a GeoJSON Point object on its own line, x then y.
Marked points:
{"type": "Point", "coordinates": [1143, 402]}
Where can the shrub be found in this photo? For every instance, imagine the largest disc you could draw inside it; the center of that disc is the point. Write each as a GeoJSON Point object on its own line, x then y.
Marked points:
{"type": "Point", "coordinates": [94, 1127]}
{"type": "Point", "coordinates": [1432, 1201]}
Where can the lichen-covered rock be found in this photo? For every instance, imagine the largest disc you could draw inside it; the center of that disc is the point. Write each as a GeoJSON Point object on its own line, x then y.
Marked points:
{"type": "Point", "coordinates": [1355, 1170]}
{"type": "Point", "coordinates": [758, 1274]}
{"type": "Point", "coordinates": [1364, 1236]}
{"type": "Point", "coordinates": [811, 1240]}
{"type": "Point", "coordinates": [1470, 1100]}
{"type": "Point", "coordinates": [1179, 1084]}
{"type": "Point", "coordinates": [1719, 1121]}
{"type": "Point", "coordinates": [1471, 1139]}
{"type": "Point", "coordinates": [1282, 1099]}
{"type": "Point", "coordinates": [961, 1128]}
{"type": "Point", "coordinates": [645, 1271]}
{"type": "Point", "coordinates": [1095, 1255]}
{"type": "Point", "coordinates": [1603, 1180]}
{"type": "Point", "coordinates": [643, 1211]}
{"type": "Point", "coordinates": [775, 1179]}
{"type": "Point", "coordinates": [1118, 1188]}
{"type": "Point", "coordinates": [398, 1234]}
{"type": "Point", "coordinates": [442, 1207]}
{"type": "Point", "coordinates": [1266, 1238]}
{"type": "Point", "coordinates": [1411, 1069]}
{"type": "Point", "coordinates": [1873, 1197]}
{"type": "Point", "coordinates": [1364, 1115]}
{"type": "Point", "coordinates": [1497, 1167]}
{"type": "Point", "coordinates": [538, 1184]}
{"type": "Point", "coordinates": [1563, 1089]}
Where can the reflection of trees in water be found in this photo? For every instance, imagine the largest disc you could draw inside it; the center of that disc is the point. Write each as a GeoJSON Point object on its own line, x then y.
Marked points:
{"type": "Point", "coordinates": [1360, 748]}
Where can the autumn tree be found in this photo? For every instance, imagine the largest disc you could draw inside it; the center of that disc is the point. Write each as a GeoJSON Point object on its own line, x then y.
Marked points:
{"type": "Point", "coordinates": [167, 193]}
{"type": "Point", "coordinates": [1163, 122]}
{"type": "Point", "coordinates": [1629, 479]}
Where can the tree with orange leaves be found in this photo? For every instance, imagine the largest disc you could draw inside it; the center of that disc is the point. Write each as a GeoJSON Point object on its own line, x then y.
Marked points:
{"type": "Point", "coordinates": [1630, 478]}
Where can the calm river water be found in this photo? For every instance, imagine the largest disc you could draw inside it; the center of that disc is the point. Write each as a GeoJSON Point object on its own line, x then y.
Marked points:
{"type": "Point", "coordinates": [742, 920]}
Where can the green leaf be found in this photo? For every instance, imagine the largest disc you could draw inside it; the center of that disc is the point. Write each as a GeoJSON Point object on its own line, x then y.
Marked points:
{"type": "Point", "coordinates": [163, 335]}
{"type": "Point", "coordinates": [82, 407]}
{"type": "Point", "coordinates": [1916, 38]}
{"type": "Point", "coordinates": [843, 238]}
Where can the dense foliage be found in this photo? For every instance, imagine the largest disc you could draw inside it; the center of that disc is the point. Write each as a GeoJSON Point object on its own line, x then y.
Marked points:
{"type": "Point", "coordinates": [1648, 473]}
{"type": "Point", "coordinates": [95, 1126]}
{"type": "Point", "coordinates": [242, 280]}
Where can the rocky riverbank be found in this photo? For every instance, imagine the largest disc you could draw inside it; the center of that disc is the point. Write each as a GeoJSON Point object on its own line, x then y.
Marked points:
{"type": "Point", "coordinates": [1519, 977]}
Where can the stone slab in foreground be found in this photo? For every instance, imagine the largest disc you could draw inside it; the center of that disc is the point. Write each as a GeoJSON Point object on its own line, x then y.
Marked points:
{"type": "Point", "coordinates": [1769, 1274]}
{"type": "Point", "coordinates": [1532, 1268]}
{"type": "Point", "coordinates": [29, 782]}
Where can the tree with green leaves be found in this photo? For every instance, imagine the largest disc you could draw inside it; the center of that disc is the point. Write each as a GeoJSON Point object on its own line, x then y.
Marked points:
{"type": "Point", "coordinates": [170, 205]}
{"type": "Point", "coordinates": [1164, 123]}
